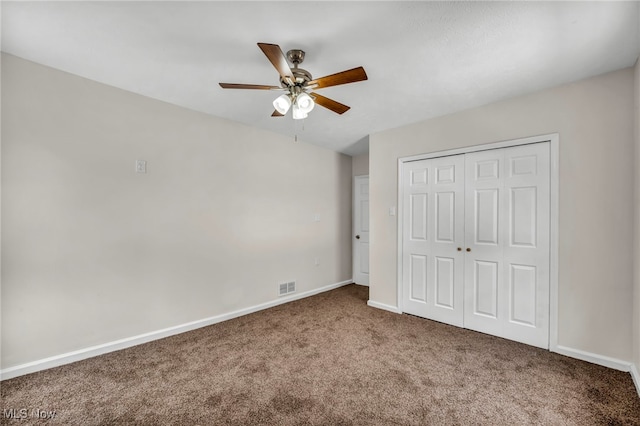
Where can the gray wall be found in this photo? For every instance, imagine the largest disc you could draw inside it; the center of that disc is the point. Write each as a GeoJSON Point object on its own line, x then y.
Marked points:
{"type": "Point", "coordinates": [594, 119]}
{"type": "Point", "coordinates": [360, 165]}
{"type": "Point", "coordinates": [93, 252]}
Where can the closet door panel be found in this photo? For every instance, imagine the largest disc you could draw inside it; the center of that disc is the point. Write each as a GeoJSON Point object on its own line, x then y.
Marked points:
{"type": "Point", "coordinates": [526, 251]}
{"type": "Point", "coordinates": [415, 237]}
{"type": "Point", "coordinates": [447, 193]}
{"type": "Point", "coordinates": [484, 238]}
{"type": "Point", "coordinates": [507, 235]}
{"type": "Point", "coordinates": [432, 233]}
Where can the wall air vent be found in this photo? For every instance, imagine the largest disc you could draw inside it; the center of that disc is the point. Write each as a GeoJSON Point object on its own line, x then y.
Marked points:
{"type": "Point", "coordinates": [286, 288]}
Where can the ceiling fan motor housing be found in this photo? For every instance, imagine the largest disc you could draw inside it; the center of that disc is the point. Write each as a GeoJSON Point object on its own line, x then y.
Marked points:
{"type": "Point", "coordinates": [301, 76]}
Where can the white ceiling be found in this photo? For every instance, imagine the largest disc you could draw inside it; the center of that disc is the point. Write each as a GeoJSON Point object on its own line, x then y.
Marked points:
{"type": "Point", "coordinates": [423, 59]}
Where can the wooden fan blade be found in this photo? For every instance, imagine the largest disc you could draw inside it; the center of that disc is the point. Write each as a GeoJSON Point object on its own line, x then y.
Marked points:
{"type": "Point", "coordinates": [344, 77]}
{"type": "Point", "coordinates": [277, 114]}
{"type": "Point", "coordinates": [248, 86]}
{"type": "Point", "coordinates": [277, 58]}
{"type": "Point", "coordinates": [334, 106]}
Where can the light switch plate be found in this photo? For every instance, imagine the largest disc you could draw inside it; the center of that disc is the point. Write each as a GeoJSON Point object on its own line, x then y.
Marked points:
{"type": "Point", "coordinates": [141, 166]}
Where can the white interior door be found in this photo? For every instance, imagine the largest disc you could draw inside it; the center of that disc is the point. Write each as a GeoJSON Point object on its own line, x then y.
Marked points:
{"type": "Point", "coordinates": [433, 235]}
{"type": "Point", "coordinates": [361, 230]}
{"type": "Point", "coordinates": [507, 243]}
{"type": "Point", "coordinates": [475, 241]}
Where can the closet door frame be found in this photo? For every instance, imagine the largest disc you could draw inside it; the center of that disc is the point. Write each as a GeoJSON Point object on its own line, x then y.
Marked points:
{"type": "Point", "coordinates": [554, 148]}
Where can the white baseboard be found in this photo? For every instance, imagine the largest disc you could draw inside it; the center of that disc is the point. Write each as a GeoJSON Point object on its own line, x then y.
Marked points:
{"type": "Point", "coordinates": [384, 306]}
{"type": "Point", "coordinates": [69, 357]}
{"type": "Point", "coordinates": [354, 282]}
{"type": "Point", "coordinates": [635, 375]}
{"type": "Point", "coordinates": [603, 360]}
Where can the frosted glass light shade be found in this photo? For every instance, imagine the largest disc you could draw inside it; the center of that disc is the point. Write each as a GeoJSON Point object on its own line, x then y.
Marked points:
{"type": "Point", "coordinates": [304, 102]}
{"type": "Point", "coordinates": [298, 113]}
{"type": "Point", "coordinates": [282, 104]}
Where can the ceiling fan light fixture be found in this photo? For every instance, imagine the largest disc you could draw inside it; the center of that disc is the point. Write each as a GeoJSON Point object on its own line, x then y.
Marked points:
{"type": "Point", "coordinates": [282, 103]}
{"type": "Point", "coordinates": [298, 114]}
{"type": "Point", "coordinates": [304, 102]}
{"type": "Point", "coordinates": [298, 84]}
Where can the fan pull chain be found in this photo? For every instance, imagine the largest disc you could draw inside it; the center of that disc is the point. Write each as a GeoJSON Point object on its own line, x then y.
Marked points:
{"type": "Point", "coordinates": [296, 138]}
{"type": "Point", "coordinates": [297, 129]}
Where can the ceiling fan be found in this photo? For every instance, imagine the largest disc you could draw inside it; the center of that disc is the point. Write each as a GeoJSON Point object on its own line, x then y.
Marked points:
{"type": "Point", "coordinates": [298, 84]}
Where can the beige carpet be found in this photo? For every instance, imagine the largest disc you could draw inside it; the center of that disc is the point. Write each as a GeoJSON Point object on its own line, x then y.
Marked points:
{"type": "Point", "coordinates": [328, 360]}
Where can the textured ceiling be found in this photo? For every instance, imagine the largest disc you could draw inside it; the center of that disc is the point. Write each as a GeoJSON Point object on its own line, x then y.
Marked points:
{"type": "Point", "coordinates": [423, 59]}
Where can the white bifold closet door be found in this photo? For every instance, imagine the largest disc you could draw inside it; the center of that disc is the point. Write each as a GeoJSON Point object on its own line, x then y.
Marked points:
{"type": "Point", "coordinates": [433, 230]}
{"type": "Point", "coordinates": [475, 241]}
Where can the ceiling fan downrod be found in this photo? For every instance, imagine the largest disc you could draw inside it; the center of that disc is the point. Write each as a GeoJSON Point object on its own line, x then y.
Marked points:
{"type": "Point", "coordinates": [295, 56]}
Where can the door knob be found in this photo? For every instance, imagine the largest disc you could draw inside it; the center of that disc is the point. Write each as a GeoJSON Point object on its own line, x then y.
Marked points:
{"type": "Point", "coordinates": [468, 249]}
{"type": "Point", "coordinates": [357, 237]}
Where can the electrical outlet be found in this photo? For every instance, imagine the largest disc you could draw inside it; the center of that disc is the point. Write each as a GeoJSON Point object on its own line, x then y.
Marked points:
{"type": "Point", "coordinates": [317, 261]}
